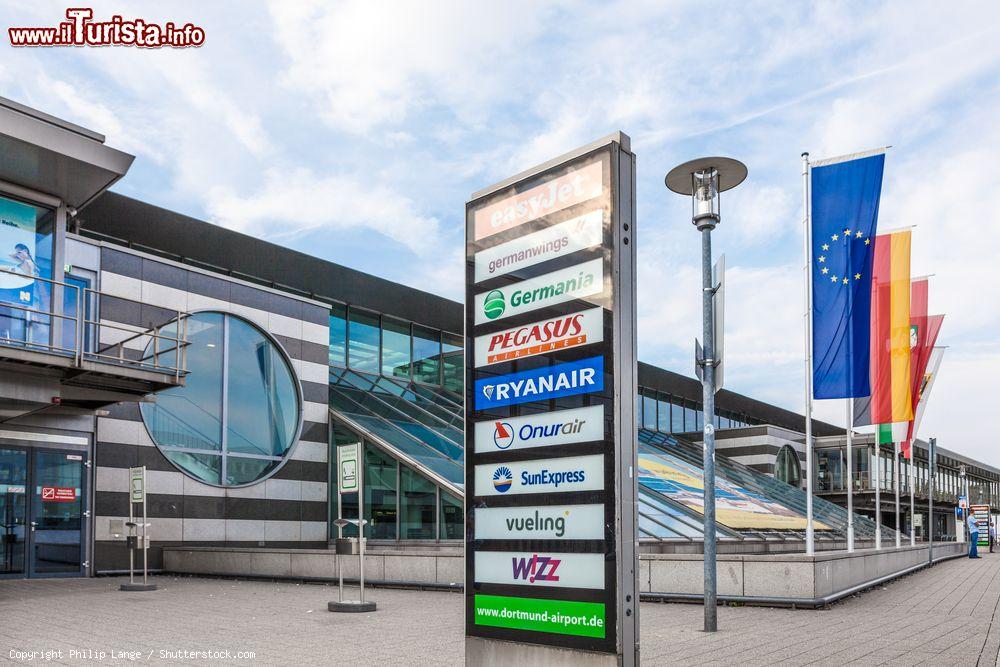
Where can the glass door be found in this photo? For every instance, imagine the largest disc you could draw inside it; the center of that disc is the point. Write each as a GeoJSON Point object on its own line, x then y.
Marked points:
{"type": "Point", "coordinates": [13, 510]}
{"type": "Point", "coordinates": [56, 517]}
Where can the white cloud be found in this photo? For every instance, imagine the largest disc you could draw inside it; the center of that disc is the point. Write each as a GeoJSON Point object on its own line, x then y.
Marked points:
{"type": "Point", "coordinates": [295, 201]}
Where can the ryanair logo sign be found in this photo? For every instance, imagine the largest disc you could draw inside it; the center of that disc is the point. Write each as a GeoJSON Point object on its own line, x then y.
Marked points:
{"type": "Point", "coordinates": [540, 384]}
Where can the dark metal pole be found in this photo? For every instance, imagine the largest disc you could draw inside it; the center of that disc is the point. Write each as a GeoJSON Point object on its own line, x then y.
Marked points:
{"type": "Point", "coordinates": [708, 393]}
{"type": "Point", "coordinates": [931, 468]}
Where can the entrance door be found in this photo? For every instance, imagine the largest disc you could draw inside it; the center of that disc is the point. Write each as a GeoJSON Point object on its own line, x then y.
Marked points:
{"type": "Point", "coordinates": [42, 514]}
{"type": "Point", "coordinates": [13, 510]}
{"type": "Point", "coordinates": [56, 521]}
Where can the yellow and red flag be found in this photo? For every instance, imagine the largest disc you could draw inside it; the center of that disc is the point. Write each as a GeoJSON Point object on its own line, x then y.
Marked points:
{"type": "Point", "coordinates": [891, 395]}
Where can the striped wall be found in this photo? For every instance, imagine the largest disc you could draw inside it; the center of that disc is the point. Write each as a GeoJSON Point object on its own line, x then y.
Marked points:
{"type": "Point", "coordinates": [288, 509]}
{"type": "Point", "coordinates": [757, 447]}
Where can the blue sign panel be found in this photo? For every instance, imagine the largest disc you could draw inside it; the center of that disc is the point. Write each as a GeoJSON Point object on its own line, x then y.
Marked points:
{"type": "Point", "coordinates": [575, 377]}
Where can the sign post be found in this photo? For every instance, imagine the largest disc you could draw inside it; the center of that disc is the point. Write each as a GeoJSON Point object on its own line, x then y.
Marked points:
{"type": "Point", "coordinates": [349, 480]}
{"type": "Point", "coordinates": [138, 532]}
{"type": "Point", "coordinates": [551, 562]}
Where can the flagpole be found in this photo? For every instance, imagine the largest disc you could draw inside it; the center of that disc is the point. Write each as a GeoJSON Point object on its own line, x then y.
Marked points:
{"type": "Point", "coordinates": [913, 504]}
{"type": "Point", "coordinates": [878, 493]}
{"type": "Point", "coordinates": [850, 476]}
{"type": "Point", "coordinates": [807, 236]}
{"type": "Point", "coordinates": [895, 475]}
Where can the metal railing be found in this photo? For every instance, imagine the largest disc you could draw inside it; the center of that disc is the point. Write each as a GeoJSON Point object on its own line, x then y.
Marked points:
{"type": "Point", "coordinates": [65, 319]}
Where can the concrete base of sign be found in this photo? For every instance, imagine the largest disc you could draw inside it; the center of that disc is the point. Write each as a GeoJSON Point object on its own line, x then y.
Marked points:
{"type": "Point", "coordinates": [137, 587]}
{"type": "Point", "coordinates": [351, 606]}
{"type": "Point", "coordinates": [480, 651]}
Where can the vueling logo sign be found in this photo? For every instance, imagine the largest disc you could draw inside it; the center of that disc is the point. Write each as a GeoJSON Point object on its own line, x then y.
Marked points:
{"type": "Point", "coordinates": [494, 304]}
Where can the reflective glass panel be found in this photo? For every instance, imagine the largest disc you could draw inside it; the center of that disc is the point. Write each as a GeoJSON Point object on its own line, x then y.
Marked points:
{"type": "Point", "coordinates": [417, 506]}
{"type": "Point", "coordinates": [426, 355]}
{"type": "Point", "coordinates": [262, 401]}
{"type": "Point", "coordinates": [395, 348]}
{"type": "Point", "coordinates": [380, 494]}
{"type": "Point", "coordinates": [453, 361]}
{"type": "Point", "coordinates": [13, 509]}
{"type": "Point", "coordinates": [452, 517]}
{"type": "Point", "coordinates": [363, 341]}
{"type": "Point", "coordinates": [338, 335]}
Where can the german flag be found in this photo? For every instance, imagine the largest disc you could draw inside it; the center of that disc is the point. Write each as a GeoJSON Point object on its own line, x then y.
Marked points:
{"type": "Point", "coordinates": [890, 338]}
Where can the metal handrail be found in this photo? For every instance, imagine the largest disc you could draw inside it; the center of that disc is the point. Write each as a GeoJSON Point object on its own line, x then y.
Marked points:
{"type": "Point", "coordinates": [81, 323]}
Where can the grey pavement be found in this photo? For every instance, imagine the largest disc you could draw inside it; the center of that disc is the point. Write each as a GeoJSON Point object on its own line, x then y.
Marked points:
{"type": "Point", "coordinates": [947, 615]}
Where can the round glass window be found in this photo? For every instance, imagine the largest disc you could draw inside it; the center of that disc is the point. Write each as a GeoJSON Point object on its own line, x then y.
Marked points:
{"type": "Point", "coordinates": [236, 417]}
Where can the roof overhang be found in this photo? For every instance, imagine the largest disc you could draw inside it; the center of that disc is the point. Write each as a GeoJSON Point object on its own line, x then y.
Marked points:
{"type": "Point", "coordinates": [45, 154]}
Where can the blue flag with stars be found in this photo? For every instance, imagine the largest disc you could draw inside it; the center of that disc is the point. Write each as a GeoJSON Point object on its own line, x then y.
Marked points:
{"type": "Point", "coordinates": [845, 199]}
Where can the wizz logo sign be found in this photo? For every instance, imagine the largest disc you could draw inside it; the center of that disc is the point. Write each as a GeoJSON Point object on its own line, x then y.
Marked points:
{"type": "Point", "coordinates": [536, 568]}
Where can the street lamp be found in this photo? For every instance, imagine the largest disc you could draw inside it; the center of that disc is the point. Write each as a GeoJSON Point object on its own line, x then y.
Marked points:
{"type": "Point", "coordinates": [703, 180]}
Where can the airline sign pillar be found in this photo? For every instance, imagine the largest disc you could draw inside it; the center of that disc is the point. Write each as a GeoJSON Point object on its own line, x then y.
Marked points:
{"type": "Point", "coordinates": [551, 564]}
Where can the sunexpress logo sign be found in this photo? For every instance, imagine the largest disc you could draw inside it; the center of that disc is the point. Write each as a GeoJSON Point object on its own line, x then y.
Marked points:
{"type": "Point", "coordinates": [574, 282]}
{"type": "Point", "coordinates": [573, 473]}
{"type": "Point", "coordinates": [576, 377]}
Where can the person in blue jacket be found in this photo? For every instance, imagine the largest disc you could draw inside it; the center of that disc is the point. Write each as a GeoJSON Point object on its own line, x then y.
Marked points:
{"type": "Point", "coordinates": [970, 519]}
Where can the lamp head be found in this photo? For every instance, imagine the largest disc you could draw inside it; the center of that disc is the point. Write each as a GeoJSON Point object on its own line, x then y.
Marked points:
{"type": "Point", "coordinates": [703, 180]}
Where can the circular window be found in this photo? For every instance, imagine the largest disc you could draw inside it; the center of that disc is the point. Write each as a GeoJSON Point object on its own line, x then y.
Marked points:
{"type": "Point", "coordinates": [236, 417]}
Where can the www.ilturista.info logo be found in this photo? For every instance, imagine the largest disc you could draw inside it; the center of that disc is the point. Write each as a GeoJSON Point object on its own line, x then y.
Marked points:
{"type": "Point", "coordinates": [502, 479]}
{"type": "Point", "coordinates": [82, 30]}
{"type": "Point", "coordinates": [536, 568]}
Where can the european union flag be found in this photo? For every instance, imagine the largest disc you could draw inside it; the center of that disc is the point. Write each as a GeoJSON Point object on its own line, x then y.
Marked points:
{"type": "Point", "coordinates": [845, 198]}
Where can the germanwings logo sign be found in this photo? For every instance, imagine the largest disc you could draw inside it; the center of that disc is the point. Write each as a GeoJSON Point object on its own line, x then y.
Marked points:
{"type": "Point", "coordinates": [536, 568]}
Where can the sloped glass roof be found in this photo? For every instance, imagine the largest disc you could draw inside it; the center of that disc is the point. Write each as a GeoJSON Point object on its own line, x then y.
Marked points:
{"type": "Point", "coordinates": [425, 425]}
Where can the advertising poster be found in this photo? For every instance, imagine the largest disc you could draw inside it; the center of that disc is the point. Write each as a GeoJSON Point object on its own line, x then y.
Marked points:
{"type": "Point", "coordinates": [735, 506]}
{"type": "Point", "coordinates": [17, 252]}
{"type": "Point", "coordinates": [550, 405]}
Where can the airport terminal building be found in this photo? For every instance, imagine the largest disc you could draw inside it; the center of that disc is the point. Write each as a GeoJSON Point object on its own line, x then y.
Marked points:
{"type": "Point", "coordinates": [232, 369]}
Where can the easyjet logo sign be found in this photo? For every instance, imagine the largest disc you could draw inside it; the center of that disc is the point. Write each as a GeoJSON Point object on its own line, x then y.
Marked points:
{"type": "Point", "coordinates": [553, 195]}
{"type": "Point", "coordinates": [557, 333]}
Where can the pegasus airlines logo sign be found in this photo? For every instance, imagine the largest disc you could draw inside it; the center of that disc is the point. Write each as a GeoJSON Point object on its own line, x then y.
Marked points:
{"type": "Point", "coordinates": [576, 377]}
{"type": "Point", "coordinates": [553, 195]}
{"type": "Point", "coordinates": [556, 333]}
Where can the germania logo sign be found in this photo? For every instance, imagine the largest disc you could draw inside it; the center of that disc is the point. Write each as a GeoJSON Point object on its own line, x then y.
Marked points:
{"type": "Point", "coordinates": [553, 195]}
{"type": "Point", "coordinates": [557, 333]}
{"type": "Point", "coordinates": [564, 570]}
{"type": "Point", "coordinates": [579, 233]}
{"type": "Point", "coordinates": [574, 282]}
{"type": "Point", "coordinates": [562, 427]}
{"type": "Point", "coordinates": [502, 479]}
{"type": "Point", "coordinates": [575, 377]}
{"type": "Point", "coordinates": [573, 473]}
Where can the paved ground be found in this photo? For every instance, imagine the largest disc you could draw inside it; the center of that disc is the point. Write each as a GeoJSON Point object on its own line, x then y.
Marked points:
{"type": "Point", "coordinates": [947, 615]}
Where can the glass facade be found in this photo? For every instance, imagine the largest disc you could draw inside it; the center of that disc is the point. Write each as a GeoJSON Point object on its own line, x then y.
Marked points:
{"type": "Point", "coordinates": [379, 344]}
{"type": "Point", "coordinates": [236, 417]}
{"type": "Point", "coordinates": [665, 413]}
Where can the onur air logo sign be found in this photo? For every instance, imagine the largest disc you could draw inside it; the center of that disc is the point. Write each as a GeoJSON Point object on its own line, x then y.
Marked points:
{"type": "Point", "coordinates": [574, 282]}
{"type": "Point", "coordinates": [548, 429]}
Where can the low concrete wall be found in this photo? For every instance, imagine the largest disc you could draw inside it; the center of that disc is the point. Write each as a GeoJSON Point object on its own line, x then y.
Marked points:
{"type": "Point", "coordinates": [436, 568]}
{"type": "Point", "coordinates": [789, 576]}
{"type": "Point", "coordinates": [794, 576]}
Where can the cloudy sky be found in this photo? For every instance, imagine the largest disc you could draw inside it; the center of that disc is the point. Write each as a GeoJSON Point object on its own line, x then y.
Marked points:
{"type": "Point", "coordinates": [355, 131]}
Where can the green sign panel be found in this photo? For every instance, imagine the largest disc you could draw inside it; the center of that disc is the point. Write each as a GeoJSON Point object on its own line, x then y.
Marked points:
{"type": "Point", "coordinates": [563, 617]}
{"type": "Point", "coordinates": [347, 467]}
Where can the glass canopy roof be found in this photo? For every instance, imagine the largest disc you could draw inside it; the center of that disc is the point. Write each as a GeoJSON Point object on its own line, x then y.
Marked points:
{"type": "Point", "coordinates": [424, 424]}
